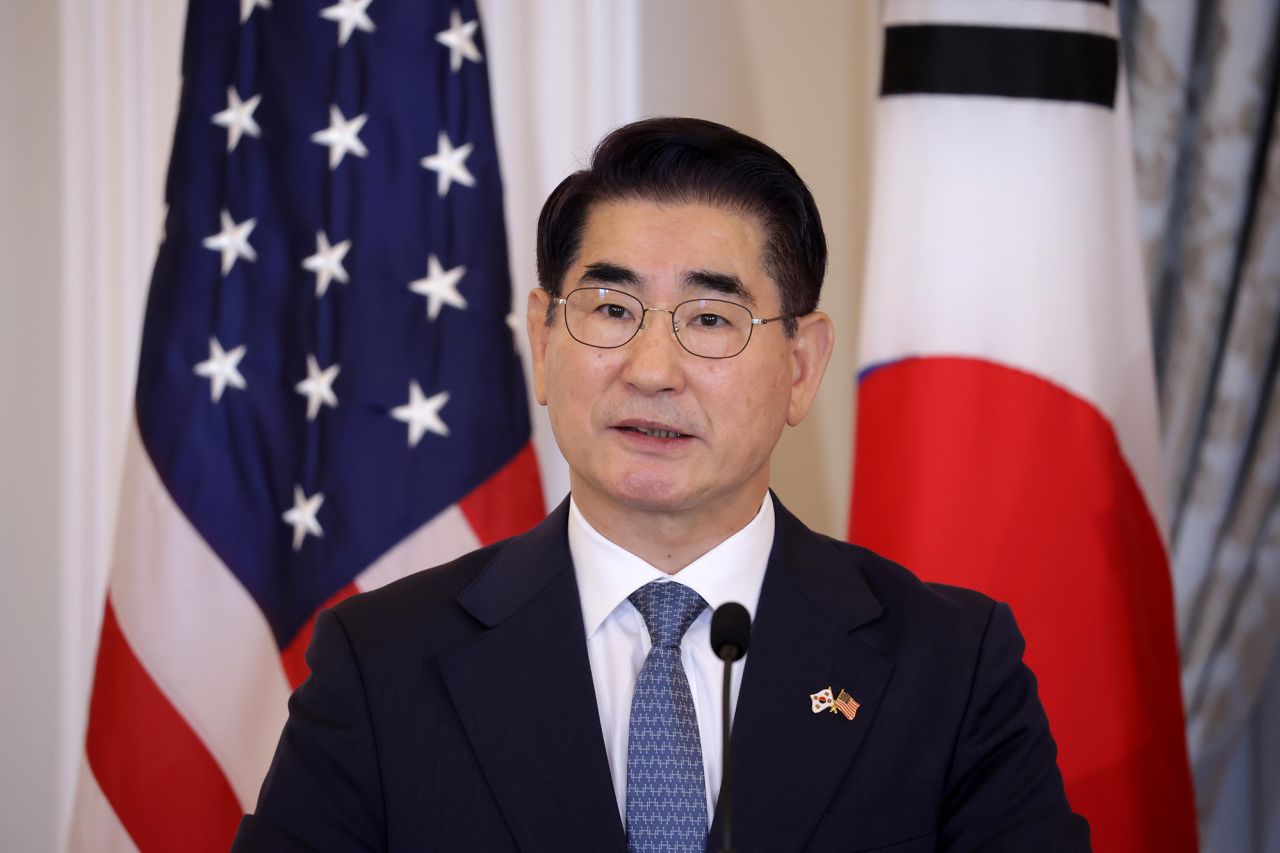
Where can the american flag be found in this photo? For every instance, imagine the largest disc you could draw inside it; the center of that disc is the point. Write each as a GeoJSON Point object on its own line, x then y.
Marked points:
{"type": "Point", "coordinates": [329, 394]}
{"type": "Point", "coordinates": [847, 705]}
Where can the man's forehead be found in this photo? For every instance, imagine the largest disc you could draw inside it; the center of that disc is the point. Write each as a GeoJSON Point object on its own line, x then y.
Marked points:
{"type": "Point", "coordinates": [603, 212]}
{"type": "Point", "coordinates": [643, 245]}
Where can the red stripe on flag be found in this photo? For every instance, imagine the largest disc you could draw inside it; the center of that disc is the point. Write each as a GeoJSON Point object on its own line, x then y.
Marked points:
{"type": "Point", "coordinates": [165, 787]}
{"type": "Point", "coordinates": [294, 655]}
{"type": "Point", "coordinates": [980, 475]}
{"type": "Point", "coordinates": [509, 502]}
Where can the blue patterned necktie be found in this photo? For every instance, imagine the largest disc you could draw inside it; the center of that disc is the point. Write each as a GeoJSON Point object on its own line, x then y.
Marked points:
{"type": "Point", "coordinates": [666, 794]}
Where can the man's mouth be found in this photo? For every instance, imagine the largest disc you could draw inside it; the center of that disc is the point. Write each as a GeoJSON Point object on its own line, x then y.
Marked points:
{"type": "Point", "coordinates": [651, 430]}
{"type": "Point", "coordinates": [656, 433]}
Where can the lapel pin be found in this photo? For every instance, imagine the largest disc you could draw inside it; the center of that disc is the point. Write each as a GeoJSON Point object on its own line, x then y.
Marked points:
{"type": "Point", "coordinates": [847, 705]}
{"type": "Point", "coordinates": [826, 700]}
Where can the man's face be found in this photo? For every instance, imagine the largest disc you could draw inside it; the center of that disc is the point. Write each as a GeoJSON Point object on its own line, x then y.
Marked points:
{"type": "Point", "coordinates": [648, 426]}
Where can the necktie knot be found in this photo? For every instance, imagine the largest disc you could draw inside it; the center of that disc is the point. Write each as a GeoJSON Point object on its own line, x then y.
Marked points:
{"type": "Point", "coordinates": [668, 608]}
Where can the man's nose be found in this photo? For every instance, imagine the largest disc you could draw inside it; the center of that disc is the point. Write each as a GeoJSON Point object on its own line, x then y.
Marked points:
{"type": "Point", "coordinates": [655, 359]}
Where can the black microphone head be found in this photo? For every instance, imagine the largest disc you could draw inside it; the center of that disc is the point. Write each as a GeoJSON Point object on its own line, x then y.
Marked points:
{"type": "Point", "coordinates": [730, 631]}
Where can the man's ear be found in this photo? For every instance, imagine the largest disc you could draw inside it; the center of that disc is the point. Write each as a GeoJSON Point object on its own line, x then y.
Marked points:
{"type": "Point", "coordinates": [539, 332]}
{"type": "Point", "coordinates": [810, 352]}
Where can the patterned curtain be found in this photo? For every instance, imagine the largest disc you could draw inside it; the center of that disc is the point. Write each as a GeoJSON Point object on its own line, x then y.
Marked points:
{"type": "Point", "coordinates": [1204, 79]}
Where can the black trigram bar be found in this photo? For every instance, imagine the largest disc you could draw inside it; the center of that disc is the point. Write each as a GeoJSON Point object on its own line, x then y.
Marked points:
{"type": "Point", "coordinates": [1053, 65]}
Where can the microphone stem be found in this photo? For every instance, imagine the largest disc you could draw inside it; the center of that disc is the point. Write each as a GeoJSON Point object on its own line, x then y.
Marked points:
{"type": "Point", "coordinates": [726, 786]}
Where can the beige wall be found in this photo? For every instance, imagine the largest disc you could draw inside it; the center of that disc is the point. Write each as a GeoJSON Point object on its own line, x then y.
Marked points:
{"type": "Point", "coordinates": [801, 76]}
{"type": "Point", "coordinates": [30, 419]}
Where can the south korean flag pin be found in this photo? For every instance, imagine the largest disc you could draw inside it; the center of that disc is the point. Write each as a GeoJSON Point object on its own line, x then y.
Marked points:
{"type": "Point", "coordinates": [823, 700]}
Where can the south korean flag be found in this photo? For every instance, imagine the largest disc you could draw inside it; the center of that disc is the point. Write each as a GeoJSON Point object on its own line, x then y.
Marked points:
{"type": "Point", "coordinates": [822, 700]}
{"type": "Point", "coordinates": [1007, 432]}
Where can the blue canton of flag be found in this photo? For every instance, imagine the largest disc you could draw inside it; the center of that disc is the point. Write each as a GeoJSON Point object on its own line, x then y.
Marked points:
{"type": "Point", "coordinates": [327, 362]}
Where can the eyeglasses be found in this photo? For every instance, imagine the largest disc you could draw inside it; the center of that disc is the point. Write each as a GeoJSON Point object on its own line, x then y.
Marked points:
{"type": "Point", "coordinates": [708, 328]}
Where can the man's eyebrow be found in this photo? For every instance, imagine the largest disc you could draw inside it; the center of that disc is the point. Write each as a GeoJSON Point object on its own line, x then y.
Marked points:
{"type": "Point", "coordinates": [721, 282]}
{"type": "Point", "coordinates": [604, 272]}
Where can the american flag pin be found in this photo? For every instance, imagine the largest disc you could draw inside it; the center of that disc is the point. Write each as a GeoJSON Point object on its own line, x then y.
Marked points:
{"type": "Point", "coordinates": [846, 705]}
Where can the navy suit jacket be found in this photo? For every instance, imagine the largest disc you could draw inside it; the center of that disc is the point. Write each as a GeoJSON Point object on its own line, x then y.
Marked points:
{"type": "Point", "coordinates": [454, 711]}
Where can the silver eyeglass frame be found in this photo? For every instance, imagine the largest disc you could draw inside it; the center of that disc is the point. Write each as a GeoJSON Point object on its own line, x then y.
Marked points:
{"type": "Point", "coordinates": [675, 326]}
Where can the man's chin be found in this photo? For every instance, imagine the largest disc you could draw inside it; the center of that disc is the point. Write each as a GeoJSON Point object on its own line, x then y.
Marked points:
{"type": "Point", "coordinates": [654, 500]}
{"type": "Point", "coordinates": [648, 492]}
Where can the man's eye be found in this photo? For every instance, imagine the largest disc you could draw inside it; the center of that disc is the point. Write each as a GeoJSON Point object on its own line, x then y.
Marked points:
{"type": "Point", "coordinates": [711, 321]}
{"type": "Point", "coordinates": [613, 311]}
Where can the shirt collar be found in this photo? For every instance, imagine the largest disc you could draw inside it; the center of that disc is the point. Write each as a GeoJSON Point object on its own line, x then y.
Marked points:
{"type": "Point", "coordinates": [607, 573]}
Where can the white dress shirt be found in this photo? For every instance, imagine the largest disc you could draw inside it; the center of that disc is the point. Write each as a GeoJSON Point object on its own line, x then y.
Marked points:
{"type": "Point", "coordinates": [618, 639]}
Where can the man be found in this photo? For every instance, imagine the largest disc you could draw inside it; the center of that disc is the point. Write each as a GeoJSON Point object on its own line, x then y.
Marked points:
{"type": "Point", "coordinates": [556, 692]}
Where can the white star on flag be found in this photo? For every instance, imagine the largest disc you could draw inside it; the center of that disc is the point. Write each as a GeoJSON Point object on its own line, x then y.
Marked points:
{"type": "Point", "coordinates": [422, 413]}
{"type": "Point", "coordinates": [460, 39]}
{"type": "Point", "coordinates": [221, 369]}
{"type": "Point", "coordinates": [237, 118]}
{"type": "Point", "coordinates": [350, 15]}
{"type": "Point", "coordinates": [247, 7]}
{"type": "Point", "coordinates": [232, 241]}
{"type": "Point", "coordinates": [326, 263]}
{"type": "Point", "coordinates": [318, 387]}
{"type": "Point", "coordinates": [440, 287]}
{"type": "Point", "coordinates": [449, 164]}
{"type": "Point", "coordinates": [302, 517]}
{"type": "Point", "coordinates": [341, 136]}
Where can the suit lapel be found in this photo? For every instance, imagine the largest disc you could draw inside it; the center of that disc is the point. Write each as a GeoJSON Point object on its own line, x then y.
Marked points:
{"type": "Point", "coordinates": [787, 760]}
{"type": "Point", "coordinates": [524, 693]}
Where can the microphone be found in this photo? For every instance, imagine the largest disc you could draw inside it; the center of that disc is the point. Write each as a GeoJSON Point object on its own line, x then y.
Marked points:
{"type": "Point", "coordinates": [730, 631]}
{"type": "Point", "coordinates": [730, 635]}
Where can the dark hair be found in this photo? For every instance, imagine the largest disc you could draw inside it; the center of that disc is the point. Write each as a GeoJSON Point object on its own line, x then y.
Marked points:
{"type": "Point", "coordinates": [683, 160]}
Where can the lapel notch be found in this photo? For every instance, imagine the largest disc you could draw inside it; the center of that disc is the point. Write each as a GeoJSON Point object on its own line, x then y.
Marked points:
{"type": "Point", "coordinates": [524, 693]}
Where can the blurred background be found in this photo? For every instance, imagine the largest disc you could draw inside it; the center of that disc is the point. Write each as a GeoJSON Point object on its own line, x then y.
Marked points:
{"type": "Point", "coordinates": [90, 91]}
